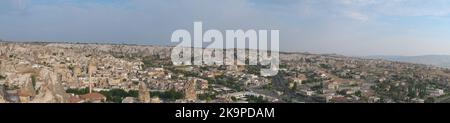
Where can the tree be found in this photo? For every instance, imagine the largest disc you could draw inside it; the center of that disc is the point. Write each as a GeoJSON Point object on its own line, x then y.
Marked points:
{"type": "Point", "coordinates": [358, 93]}
{"type": "Point", "coordinates": [117, 95]}
{"type": "Point", "coordinates": [295, 86]}
{"type": "Point", "coordinates": [172, 94]}
{"type": "Point", "coordinates": [2, 77]}
{"type": "Point", "coordinates": [135, 82]}
{"type": "Point", "coordinates": [256, 99]}
{"type": "Point", "coordinates": [71, 67]}
{"type": "Point", "coordinates": [268, 86]}
{"type": "Point", "coordinates": [78, 91]}
{"type": "Point", "coordinates": [206, 96]}
{"type": "Point", "coordinates": [233, 98]}
{"type": "Point", "coordinates": [33, 80]}
{"type": "Point", "coordinates": [430, 100]}
{"type": "Point", "coordinates": [325, 66]}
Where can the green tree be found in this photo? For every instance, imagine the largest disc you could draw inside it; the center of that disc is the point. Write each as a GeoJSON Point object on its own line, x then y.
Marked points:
{"type": "Point", "coordinates": [172, 94]}
{"type": "Point", "coordinates": [256, 99]}
{"type": "Point", "coordinates": [295, 86]}
{"type": "Point", "coordinates": [2, 77]}
{"type": "Point", "coordinates": [33, 80]}
{"type": "Point", "coordinates": [80, 91]}
{"type": "Point", "coordinates": [233, 98]}
{"type": "Point", "coordinates": [430, 100]}
{"type": "Point", "coordinates": [71, 67]}
{"type": "Point", "coordinates": [358, 93]}
{"type": "Point", "coordinates": [115, 95]}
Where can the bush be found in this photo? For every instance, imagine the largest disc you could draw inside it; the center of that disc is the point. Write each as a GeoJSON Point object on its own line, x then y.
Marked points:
{"type": "Point", "coordinates": [255, 99]}
{"type": "Point", "coordinates": [117, 95]}
{"type": "Point", "coordinates": [113, 95]}
{"type": "Point", "coordinates": [80, 91]}
{"type": "Point", "coordinates": [172, 94]}
{"type": "Point", "coordinates": [206, 96]}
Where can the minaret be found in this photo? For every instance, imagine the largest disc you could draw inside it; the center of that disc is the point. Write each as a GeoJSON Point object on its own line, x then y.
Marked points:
{"type": "Point", "coordinates": [91, 68]}
{"type": "Point", "coordinates": [90, 82]}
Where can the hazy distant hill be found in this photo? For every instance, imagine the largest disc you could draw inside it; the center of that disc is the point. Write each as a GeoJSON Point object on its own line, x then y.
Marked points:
{"type": "Point", "coordinates": [437, 60]}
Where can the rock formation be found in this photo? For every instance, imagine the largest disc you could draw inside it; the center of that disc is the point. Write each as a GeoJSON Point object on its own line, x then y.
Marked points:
{"type": "Point", "coordinates": [51, 91]}
{"type": "Point", "coordinates": [144, 94]}
{"type": "Point", "coordinates": [189, 91]}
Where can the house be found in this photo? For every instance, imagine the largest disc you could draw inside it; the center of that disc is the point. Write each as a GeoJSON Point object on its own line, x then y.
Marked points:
{"type": "Point", "coordinates": [93, 98]}
{"type": "Point", "coordinates": [436, 92]}
{"type": "Point", "coordinates": [298, 79]}
{"type": "Point", "coordinates": [203, 84]}
{"type": "Point", "coordinates": [373, 99]}
{"type": "Point", "coordinates": [130, 100]}
{"type": "Point", "coordinates": [417, 100]}
{"type": "Point", "coordinates": [155, 100]}
{"type": "Point", "coordinates": [340, 99]}
{"type": "Point", "coordinates": [75, 99]}
{"type": "Point", "coordinates": [306, 92]}
{"type": "Point", "coordinates": [333, 85]}
{"type": "Point", "coordinates": [356, 76]}
{"type": "Point", "coordinates": [323, 75]}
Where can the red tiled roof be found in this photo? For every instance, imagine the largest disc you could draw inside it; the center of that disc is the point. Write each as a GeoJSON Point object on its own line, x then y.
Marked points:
{"type": "Point", "coordinates": [74, 99]}
{"type": "Point", "coordinates": [93, 96]}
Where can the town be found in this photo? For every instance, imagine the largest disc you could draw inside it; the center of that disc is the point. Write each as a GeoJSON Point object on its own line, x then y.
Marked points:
{"type": "Point", "coordinates": [40, 72]}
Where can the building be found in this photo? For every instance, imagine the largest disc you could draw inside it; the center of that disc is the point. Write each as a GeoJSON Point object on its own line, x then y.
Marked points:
{"type": "Point", "coordinates": [203, 84]}
{"type": "Point", "coordinates": [436, 92]}
{"type": "Point", "coordinates": [130, 100]}
{"type": "Point", "coordinates": [306, 92]}
{"type": "Point", "coordinates": [92, 67]}
{"type": "Point", "coordinates": [417, 100]}
{"type": "Point", "coordinates": [75, 99]}
{"type": "Point", "coordinates": [155, 100]}
{"type": "Point", "coordinates": [332, 85]}
{"type": "Point", "coordinates": [373, 99]}
{"type": "Point", "coordinates": [93, 98]}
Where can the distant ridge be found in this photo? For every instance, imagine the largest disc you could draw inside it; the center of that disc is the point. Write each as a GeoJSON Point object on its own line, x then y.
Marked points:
{"type": "Point", "coordinates": [435, 60]}
{"type": "Point", "coordinates": [97, 43]}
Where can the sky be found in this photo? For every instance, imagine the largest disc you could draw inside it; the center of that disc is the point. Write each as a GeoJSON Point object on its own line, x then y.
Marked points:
{"type": "Point", "coordinates": [347, 27]}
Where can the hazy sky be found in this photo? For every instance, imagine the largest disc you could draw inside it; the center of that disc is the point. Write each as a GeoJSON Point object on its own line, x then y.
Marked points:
{"type": "Point", "coordinates": [349, 27]}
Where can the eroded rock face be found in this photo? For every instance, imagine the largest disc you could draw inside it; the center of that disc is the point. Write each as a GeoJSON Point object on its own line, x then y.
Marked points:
{"type": "Point", "coordinates": [28, 88]}
{"type": "Point", "coordinates": [144, 94]}
{"type": "Point", "coordinates": [2, 94]}
{"type": "Point", "coordinates": [50, 91]}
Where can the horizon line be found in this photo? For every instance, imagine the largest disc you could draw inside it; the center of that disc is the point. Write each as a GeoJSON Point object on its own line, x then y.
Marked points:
{"type": "Point", "coordinates": [170, 45]}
